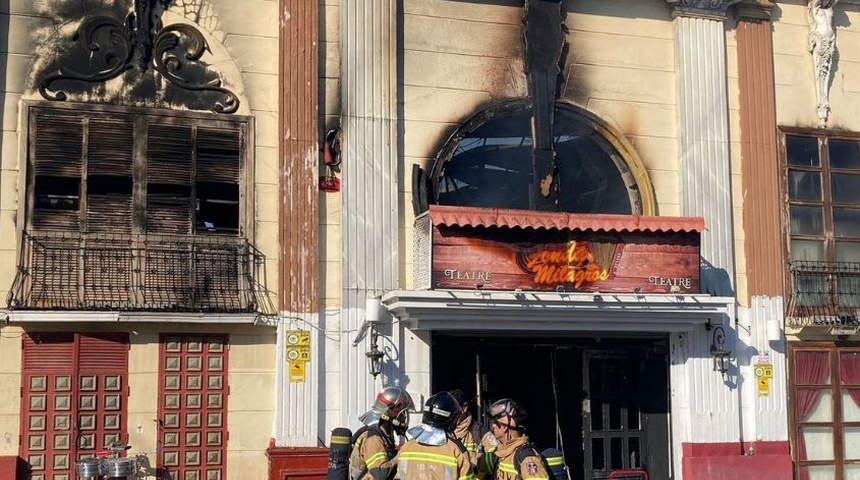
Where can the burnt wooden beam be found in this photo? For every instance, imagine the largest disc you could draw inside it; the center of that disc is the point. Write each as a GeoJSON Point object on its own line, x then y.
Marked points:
{"type": "Point", "coordinates": [544, 40]}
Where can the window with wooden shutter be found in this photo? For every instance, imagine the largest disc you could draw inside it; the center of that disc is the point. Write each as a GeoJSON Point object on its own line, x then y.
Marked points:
{"type": "Point", "coordinates": [57, 152]}
{"type": "Point", "coordinates": [110, 179]}
{"type": "Point", "coordinates": [136, 209]}
{"type": "Point", "coordinates": [103, 170]}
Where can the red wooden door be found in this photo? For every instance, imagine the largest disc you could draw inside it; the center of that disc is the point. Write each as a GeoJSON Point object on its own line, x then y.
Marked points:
{"type": "Point", "coordinates": [192, 406]}
{"type": "Point", "coordinates": [74, 391]}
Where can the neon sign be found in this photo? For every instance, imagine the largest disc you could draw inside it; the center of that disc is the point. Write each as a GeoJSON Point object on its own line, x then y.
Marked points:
{"type": "Point", "coordinates": [572, 264]}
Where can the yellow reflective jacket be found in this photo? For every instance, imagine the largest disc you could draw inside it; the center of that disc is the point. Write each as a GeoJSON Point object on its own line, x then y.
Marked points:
{"type": "Point", "coordinates": [470, 434]}
{"type": "Point", "coordinates": [371, 457]}
{"type": "Point", "coordinates": [531, 467]}
{"type": "Point", "coordinates": [429, 462]}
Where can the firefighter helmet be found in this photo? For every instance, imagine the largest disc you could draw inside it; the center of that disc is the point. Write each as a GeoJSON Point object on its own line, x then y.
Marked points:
{"type": "Point", "coordinates": [392, 406]}
{"type": "Point", "coordinates": [512, 411]}
{"type": "Point", "coordinates": [441, 411]}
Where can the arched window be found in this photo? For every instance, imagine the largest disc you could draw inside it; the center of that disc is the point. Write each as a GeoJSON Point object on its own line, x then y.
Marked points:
{"type": "Point", "coordinates": [488, 163]}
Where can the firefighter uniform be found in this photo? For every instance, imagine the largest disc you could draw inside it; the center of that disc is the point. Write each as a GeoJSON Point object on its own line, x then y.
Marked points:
{"type": "Point", "coordinates": [531, 467]}
{"type": "Point", "coordinates": [372, 457]}
{"type": "Point", "coordinates": [416, 461]}
{"type": "Point", "coordinates": [467, 431]}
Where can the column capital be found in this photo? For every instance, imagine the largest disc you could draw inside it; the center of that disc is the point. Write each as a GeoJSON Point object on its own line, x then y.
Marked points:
{"type": "Point", "coordinates": [755, 9]}
{"type": "Point", "coordinates": [714, 9]}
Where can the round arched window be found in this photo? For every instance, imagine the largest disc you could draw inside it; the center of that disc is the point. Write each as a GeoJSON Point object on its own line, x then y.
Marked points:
{"type": "Point", "coordinates": [488, 163]}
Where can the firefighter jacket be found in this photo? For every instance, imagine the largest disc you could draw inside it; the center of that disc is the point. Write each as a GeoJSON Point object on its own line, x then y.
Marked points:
{"type": "Point", "coordinates": [531, 468]}
{"type": "Point", "coordinates": [471, 435]}
{"type": "Point", "coordinates": [372, 456]}
{"type": "Point", "coordinates": [416, 461]}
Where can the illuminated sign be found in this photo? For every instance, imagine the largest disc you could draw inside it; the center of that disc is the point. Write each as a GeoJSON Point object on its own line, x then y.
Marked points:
{"type": "Point", "coordinates": [574, 264]}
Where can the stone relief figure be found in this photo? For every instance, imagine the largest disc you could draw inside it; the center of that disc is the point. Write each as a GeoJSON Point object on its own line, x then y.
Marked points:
{"type": "Point", "coordinates": [822, 45]}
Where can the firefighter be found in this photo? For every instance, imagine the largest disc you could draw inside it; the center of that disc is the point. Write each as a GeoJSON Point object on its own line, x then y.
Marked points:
{"type": "Point", "coordinates": [474, 436]}
{"type": "Point", "coordinates": [516, 458]}
{"type": "Point", "coordinates": [374, 446]}
{"type": "Point", "coordinates": [432, 453]}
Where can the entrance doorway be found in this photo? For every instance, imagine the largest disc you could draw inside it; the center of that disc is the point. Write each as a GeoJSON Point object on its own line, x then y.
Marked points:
{"type": "Point", "coordinates": [602, 401]}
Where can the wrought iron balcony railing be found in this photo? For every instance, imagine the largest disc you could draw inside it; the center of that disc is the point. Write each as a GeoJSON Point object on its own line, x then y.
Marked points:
{"type": "Point", "coordinates": [63, 271]}
{"type": "Point", "coordinates": [824, 294]}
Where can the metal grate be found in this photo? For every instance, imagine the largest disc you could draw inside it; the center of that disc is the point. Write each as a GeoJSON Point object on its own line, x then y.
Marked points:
{"type": "Point", "coordinates": [824, 294]}
{"type": "Point", "coordinates": [422, 252]}
{"type": "Point", "coordinates": [69, 271]}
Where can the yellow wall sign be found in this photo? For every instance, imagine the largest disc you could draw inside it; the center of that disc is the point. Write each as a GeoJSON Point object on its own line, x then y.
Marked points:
{"type": "Point", "coordinates": [763, 387]}
{"type": "Point", "coordinates": [298, 352]}
{"type": "Point", "coordinates": [763, 372]}
{"type": "Point", "coordinates": [297, 372]}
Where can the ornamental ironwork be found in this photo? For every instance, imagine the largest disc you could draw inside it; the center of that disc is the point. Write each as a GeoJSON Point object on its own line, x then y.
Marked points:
{"type": "Point", "coordinates": [139, 43]}
{"type": "Point", "coordinates": [824, 294]}
{"type": "Point", "coordinates": [177, 273]}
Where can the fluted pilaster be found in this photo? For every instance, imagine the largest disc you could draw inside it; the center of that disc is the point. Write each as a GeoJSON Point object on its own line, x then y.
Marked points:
{"type": "Point", "coordinates": [369, 218]}
{"type": "Point", "coordinates": [705, 165]}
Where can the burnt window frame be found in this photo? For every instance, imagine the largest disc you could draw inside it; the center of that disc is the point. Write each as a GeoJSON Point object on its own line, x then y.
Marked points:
{"type": "Point", "coordinates": [139, 116]}
{"type": "Point", "coordinates": [646, 204]}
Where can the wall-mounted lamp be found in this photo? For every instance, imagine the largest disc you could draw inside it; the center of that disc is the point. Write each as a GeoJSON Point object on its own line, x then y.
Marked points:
{"type": "Point", "coordinates": [719, 355]}
{"type": "Point", "coordinates": [372, 315]}
{"type": "Point", "coordinates": [374, 355]}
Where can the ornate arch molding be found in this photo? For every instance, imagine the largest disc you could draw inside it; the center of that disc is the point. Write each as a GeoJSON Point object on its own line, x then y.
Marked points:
{"type": "Point", "coordinates": [629, 163]}
{"type": "Point", "coordinates": [155, 63]}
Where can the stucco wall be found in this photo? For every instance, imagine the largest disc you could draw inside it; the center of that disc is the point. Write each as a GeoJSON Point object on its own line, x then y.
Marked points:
{"type": "Point", "coordinates": [243, 42]}
{"type": "Point", "coordinates": [459, 57]}
{"type": "Point", "coordinates": [250, 402]}
{"type": "Point", "coordinates": [243, 38]}
{"type": "Point", "coordinates": [795, 84]}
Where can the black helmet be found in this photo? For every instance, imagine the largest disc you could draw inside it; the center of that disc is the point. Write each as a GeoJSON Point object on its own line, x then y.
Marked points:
{"type": "Point", "coordinates": [513, 411]}
{"type": "Point", "coordinates": [440, 411]}
{"type": "Point", "coordinates": [392, 405]}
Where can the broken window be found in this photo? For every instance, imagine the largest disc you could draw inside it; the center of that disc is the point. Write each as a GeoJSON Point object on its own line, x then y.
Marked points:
{"type": "Point", "coordinates": [489, 163]}
{"type": "Point", "coordinates": [148, 173]}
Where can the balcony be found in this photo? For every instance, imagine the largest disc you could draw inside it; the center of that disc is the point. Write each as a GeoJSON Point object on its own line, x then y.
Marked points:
{"type": "Point", "coordinates": [65, 271]}
{"type": "Point", "coordinates": [824, 294]}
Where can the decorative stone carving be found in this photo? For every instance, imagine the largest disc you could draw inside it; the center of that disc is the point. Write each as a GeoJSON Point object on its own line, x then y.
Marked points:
{"type": "Point", "coordinates": [715, 9]}
{"type": "Point", "coordinates": [822, 45]}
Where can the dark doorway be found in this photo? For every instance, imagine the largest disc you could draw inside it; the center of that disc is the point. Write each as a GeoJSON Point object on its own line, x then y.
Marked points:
{"type": "Point", "coordinates": [603, 401]}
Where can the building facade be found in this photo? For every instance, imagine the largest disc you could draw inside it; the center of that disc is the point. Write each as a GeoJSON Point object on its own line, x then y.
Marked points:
{"type": "Point", "coordinates": [490, 152]}
{"type": "Point", "coordinates": [140, 221]}
{"type": "Point", "coordinates": [226, 225]}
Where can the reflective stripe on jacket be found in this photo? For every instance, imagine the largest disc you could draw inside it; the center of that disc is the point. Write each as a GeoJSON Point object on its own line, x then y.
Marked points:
{"type": "Point", "coordinates": [370, 459]}
{"type": "Point", "coordinates": [531, 467]}
{"type": "Point", "coordinates": [427, 462]}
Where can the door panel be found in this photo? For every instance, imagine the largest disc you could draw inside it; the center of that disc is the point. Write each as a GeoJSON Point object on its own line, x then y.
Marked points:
{"type": "Point", "coordinates": [74, 399]}
{"type": "Point", "coordinates": [604, 402]}
{"type": "Point", "coordinates": [193, 407]}
{"type": "Point", "coordinates": [625, 423]}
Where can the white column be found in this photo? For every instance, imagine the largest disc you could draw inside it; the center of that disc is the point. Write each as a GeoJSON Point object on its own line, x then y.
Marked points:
{"type": "Point", "coordinates": [710, 401]}
{"type": "Point", "coordinates": [297, 422]}
{"type": "Point", "coordinates": [703, 135]}
{"type": "Point", "coordinates": [369, 93]}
